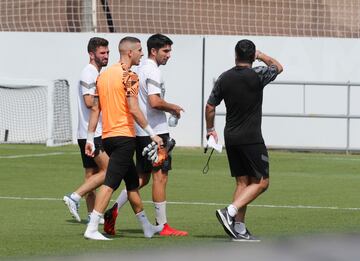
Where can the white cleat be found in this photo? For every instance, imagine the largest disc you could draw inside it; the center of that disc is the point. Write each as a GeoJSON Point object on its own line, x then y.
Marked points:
{"type": "Point", "coordinates": [150, 230]}
{"type": "Point", "coordinates": [94, 235]}
{"type": "Point", "coordinates": [73, 207]}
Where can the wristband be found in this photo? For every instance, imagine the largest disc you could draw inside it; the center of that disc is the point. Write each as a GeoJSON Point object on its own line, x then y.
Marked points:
{"type": "Point", "coordinates": [149, 131]}
{"type": "Point", "coordinates": [210, 129]}
{"type": "Point", "coordinates": [90, 137]}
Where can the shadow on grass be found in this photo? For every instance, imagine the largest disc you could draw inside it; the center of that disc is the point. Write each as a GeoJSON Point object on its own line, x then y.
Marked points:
{"type": "Point", "coordinates": [224, 237]}
{"type": "Point", "coordinates": [73, 221]}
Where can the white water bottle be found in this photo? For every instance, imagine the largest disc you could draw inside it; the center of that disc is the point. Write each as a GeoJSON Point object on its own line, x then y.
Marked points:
{"type": "Point", "coordinates": [173, 120]}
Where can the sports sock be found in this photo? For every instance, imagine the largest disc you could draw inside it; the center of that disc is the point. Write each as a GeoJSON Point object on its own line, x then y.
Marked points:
{"type": "Point", "coordinates": [240, 227]}
{"type": "Point", "coordinates": [95, 217]}
{"type": "Point", "coordinates": [75, 196]}
{"type": "Point", "coordinates": [92, 229]}
{"type": "Point", "coordinates": [122, 198]}
{"type": "Point", "coordinates": [149, 229]}
{"type": "Point", "coordinates": [232, 210]}
{"type": "Point", "coordinates": [160, 212]}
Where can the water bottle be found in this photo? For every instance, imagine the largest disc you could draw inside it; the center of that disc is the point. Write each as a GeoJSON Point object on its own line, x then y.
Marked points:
{"type": "Point", "coordinates": [173, 120]}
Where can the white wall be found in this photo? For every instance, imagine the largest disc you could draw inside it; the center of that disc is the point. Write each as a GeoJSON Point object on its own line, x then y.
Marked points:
{"type": "Point", "coordinates": [50, 56]}
{"type": "Point", "coordinates": [304, 59]}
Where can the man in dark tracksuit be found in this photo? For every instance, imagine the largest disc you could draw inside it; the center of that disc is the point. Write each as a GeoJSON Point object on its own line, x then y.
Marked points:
{"type": "Point", "coordinates": [241, 88]}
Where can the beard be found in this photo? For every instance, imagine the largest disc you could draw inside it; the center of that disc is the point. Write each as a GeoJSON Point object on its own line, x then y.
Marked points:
{"type": "Point", "coordinates": [101, 62]}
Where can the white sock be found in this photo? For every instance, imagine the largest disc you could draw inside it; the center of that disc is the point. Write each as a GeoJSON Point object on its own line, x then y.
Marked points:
{"type": "Point", "coordinates": [240, 227]}
{"type": "Point", "coordinates": [75, 196]}
{"type": "Point", "coordinates": [92, 229]}
{"type": "Point", "coordinates": [149, 230]}
{"type": "Point", "coordinates": [122, 198]}
{"type": "Point", "coordinates": [95, 217]}
{"type": "Point", "coordinates": [160, 212]}
{"type": "Point", "coordinates": [232, 210]}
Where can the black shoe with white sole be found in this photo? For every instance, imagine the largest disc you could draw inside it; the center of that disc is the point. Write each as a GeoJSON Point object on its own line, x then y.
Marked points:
{"type": "Point", "coordinates": [227, 222]}
{"type": "Point", "coordinates": [247, 237]}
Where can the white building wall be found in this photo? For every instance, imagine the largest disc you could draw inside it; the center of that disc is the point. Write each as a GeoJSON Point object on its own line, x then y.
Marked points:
{"type": "Point", "coordinates": [49, 56]}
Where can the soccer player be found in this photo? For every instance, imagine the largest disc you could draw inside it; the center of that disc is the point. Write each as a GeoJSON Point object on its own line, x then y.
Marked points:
{"type": "Point", "coordinates": [241, 88]}
{"type": "Point", "coordinates": [95, 167]}
{"type": "Point", "coordinates": [152, 103]}
{"type": "Point", "coordinates": [117, 100]}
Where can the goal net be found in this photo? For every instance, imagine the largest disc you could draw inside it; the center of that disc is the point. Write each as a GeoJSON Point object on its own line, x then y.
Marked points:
{"type": "Point", "coordinates": [326, 18]}
{"type": "Point", "coordinates": [34, 111]}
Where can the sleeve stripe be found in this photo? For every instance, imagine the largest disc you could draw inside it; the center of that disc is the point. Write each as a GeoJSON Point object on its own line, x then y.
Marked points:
{"type": "Point", "coordinates": [151, 81]}
{"type": "Point", "coordinates": [87, 85]}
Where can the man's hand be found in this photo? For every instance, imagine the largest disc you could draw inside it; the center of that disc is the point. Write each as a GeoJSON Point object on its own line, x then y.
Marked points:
{"type": "Point", "coordinates": [158, 140]}
{"type": "Point", "coordinates": [90, 149]}
{"type": "Point", "coordinates": [257, 55]}
{"type": "Point", "coordinates": [176, 110]}
{"type": "Point", "coordinates": [90, 146]}
{"type": "Point", "coordinates": [212, 132]}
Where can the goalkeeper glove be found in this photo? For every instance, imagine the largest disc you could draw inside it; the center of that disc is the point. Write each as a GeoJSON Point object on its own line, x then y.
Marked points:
{"type": "Point", "coordinates": [157, 155]}
{"type": "Point", "coordinates": [151, 150]}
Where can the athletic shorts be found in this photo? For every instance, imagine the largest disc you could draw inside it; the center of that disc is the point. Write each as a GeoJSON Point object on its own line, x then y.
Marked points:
{"type": "Point", "coordinates": [248, 160]}
{"type": "Point", "coordinates": [121, 163]}
{"type": "Point", "coordinates": [143, 165]}
{"type": "Point", "coordinates": [89, 162]}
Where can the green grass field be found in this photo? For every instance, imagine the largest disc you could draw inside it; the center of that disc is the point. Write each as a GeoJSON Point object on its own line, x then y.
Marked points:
{"type": "Point", "coordinates": [309, 193]}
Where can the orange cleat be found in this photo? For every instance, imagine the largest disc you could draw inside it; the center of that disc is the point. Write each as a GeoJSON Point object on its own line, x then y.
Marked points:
{"type": "Point", "coordinates": [169, 231]}
{"type": "Point", "coordinates": [110, 220]}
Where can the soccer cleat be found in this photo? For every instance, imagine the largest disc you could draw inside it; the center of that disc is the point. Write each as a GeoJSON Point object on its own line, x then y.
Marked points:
{"type": "Point", "coordinates": [247, 237]}
{"type": "Point", "coordinates": [169, 231]}
{"type": "Point", "coordinates": [94, 235]}
{"type": "Point", "coordinates": [73, 207]}
{"type": "Point", "coordinates": [110, 220]}
{"type": "Point", "coordinates": [150, 230]}
{"type": "Point", "coordinates": [226, 221]}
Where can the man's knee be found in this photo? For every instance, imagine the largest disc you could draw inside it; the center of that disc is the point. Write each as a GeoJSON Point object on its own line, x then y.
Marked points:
{"type": "Point", "coordinates": [102, 160]}
{"type": "Point", "coordinates": [144, 179]}
{"type": "Point", "coordinates": [160, 177]}
{"type": "Point", "coordinates": [264, 184]}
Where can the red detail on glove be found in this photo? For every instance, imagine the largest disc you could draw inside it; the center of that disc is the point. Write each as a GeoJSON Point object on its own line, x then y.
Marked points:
{"type": "Point", "coordinates": [162, 156]}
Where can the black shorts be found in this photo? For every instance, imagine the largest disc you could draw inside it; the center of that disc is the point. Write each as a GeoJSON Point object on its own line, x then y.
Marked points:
{"type": "Point", "coordinates": [143, 165]}
{"type": "Point", "coordinates": [89, 162]}
{"type": "Point", "coordinates": [248, 160]}
{"type": "Point", "coordinates": [121, 163]}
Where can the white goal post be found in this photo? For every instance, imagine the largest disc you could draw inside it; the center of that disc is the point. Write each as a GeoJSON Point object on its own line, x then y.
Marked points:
{"type": "Point", "coordinates": [35, 111]}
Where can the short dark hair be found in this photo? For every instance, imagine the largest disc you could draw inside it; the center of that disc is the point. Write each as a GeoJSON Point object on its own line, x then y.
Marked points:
{"type": "Point", "coordinates": [130, 39]}
{"type": "Point", "coordinates": [245, 51]}
{"type": "Point", "coordinates": [158, 41]}
{"type": "Point", "coordinates": [96, 42]}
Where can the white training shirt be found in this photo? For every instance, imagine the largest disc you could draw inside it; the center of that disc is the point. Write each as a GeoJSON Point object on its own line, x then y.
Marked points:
{"type": "Point", "coordinates": [87, 85]}
{"type": "Point", "coordinates": [151, 82]}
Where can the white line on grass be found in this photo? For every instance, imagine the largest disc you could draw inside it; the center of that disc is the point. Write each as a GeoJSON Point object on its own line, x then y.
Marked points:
{"type": "Point", "coordinates": [179, 154]}
{"type": "Point", "coordinates": [320, 158]}
{"type": "Point", "coordinates": [36, 155]}
{"type": "Point", "coordinates": [202, 203]}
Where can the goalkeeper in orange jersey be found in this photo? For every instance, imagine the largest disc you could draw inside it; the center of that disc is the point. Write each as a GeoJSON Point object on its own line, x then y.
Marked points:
{"type": "Point", "coordinates": [151, 160]}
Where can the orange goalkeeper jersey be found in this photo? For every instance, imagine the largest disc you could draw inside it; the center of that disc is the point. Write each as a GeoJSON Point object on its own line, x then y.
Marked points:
{"type": "Point", "coordinates": [113, 86]}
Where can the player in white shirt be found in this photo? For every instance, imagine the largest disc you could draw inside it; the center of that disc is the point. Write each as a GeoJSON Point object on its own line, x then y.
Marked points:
{"type": "Point", "coordinates": [95, 168]}
{"type": "Point", "coordinates": [153, 105]}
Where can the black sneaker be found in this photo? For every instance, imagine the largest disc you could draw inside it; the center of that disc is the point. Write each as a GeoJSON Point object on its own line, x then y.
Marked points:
{"type": "Point", "coordinates": [227, 222]}
{"type": "Point", "coordinates": [247, 237]}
